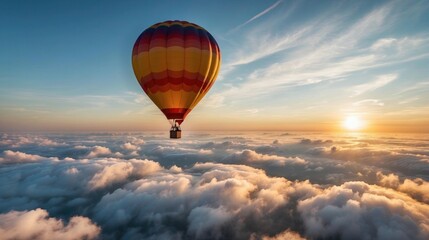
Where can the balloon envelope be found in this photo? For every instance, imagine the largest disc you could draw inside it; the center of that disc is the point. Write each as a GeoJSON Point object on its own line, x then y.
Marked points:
{"type": "Point", "coordinates": [176, 63]}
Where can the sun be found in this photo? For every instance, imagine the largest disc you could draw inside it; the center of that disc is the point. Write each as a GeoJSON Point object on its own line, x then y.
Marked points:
{"type": "Point", "coordinates": [353, 123]}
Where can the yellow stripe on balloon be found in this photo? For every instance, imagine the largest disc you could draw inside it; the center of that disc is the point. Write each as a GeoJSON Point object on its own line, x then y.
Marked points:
{"type": "Point", "coordinates": [141, 65]}
{"type": "Point", "coordinates": [175, 57]}
{"type": "Point", "coordinates": [192, 59]}
{"type": "Point", "coordinates": [157, 59]}
{"type": "Point", "coordinates": [211, 76]}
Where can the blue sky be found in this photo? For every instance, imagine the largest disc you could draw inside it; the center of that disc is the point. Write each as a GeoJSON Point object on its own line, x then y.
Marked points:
{"type": "Point", "coordinates": [286, 64]}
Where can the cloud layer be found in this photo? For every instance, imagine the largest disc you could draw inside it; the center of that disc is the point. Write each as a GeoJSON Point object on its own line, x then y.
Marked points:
{"type": "Point", "coordinates": [244, 186]}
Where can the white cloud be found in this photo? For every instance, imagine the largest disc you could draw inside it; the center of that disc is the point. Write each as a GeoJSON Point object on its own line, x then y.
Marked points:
{"type": "Point", "coordinates": [379, 82]}
{"type": "Point", "coordinates": [416, 188]}
{"type": "Point", "coordinates": [176, 169]}
{"type": "Point", "coordinates": [286, 235]}
{"type": "Point", "coordinates": [383, 43]}
{"type": "Point", "coordinates": [120, 171]}
{"type": "Point", "coordinates": [98, 151]}
{"type": "Point", "coordinates": [72, 170]}
{"type": "Point", "coordinates": [169, 149]}
{"type": "Point", "coordinates": [403, 44]}
{"type": "Point", "coordinates": [129, 146]}
{"type": "Point", "coordinates": [209, 197]}
{"type": "Point", "coordinates": [19, 141]}
{"type": "Point", "coordinates": [356, 210]}
{"type": "Point", "coordinates": [368, 102]}
{"type": "Point", "coordinates": [326, 48]}
{"type": "Point", "coordinates": [215, 100]}
{"type": "Point", "coordinates": [266, 44]}
{"type": "Point", "coordinates": [250, 156]}
{"type": "Point", "coordinates": [232, 201]}
{"type": "Point", "coordinates": [80, 147]}
{"type": "Point", "coordinates": [111, 174]}
{"type": "Point", "coordinates": [258, 15]}
{"type": "Point", "coordinates": [206, 222]}
{"type": "Point", "coordinates": [36, 224]}
{"type": "Point", "coordinates": [11, 156]}
{"type": "Point", "coordinates": [205, 151]}
{"type": "Point", "coordinates": [316, 58]}
{"type": "Point", "coordinates": [137, 141]}
{"type": "Point", "coordinates": [47, 142]}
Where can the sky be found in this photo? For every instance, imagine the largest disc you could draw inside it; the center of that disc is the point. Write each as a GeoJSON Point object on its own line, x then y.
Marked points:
{"type": "Point", "coordinates": [286, 65]}
{"type": "Point", "coordinates": [214, 185]}
{"type": "Point", "coordinates": [316, 128]}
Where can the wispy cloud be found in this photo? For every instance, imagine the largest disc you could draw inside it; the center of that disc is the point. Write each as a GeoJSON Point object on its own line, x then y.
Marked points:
{"type": "Point", "coordinates": [267, 10]}
{"type": "Point", "coordinates": [368, 102]}
{"type": "Point", "coordinates": [379, 82]}
{"type": "Point", "coordinates": [409, 100]}
{"type": "Point", "coordinates": [322, 49]}
{"type": "Point", "coordinates": [416, 86]}
{"type": "Point", "coordinates": [329, 47]}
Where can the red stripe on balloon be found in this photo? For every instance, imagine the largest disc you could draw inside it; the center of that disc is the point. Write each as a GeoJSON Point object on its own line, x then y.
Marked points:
{"type": "Point", "coordinates": [168, 80]}
{"type": "Point", "coordinates": [175, 33]}
{"type": "Point", "coordinates": [175, 113]}
{"type": "Point", "coordinates": [171, 87]}
{"type": "Point", "coordinates": [162, 85]}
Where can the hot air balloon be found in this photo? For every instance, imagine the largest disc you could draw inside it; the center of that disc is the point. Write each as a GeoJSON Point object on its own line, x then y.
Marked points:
{"type": "Point", "coordinates": [176, 63]}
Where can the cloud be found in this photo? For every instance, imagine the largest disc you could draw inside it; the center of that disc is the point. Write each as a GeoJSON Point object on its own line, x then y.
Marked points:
{"type": "Point", "coordinates": [130, 146]}
{"type": "Point", "coordinates": [258, 15]}
{"type": "Point", "coordinates": [289, 235]}
{"type": "Point", "coordinates": [235, 186]}
{"type": "Point", "coordinates": [214, 100]}
{"type": "Point", "coordinates": [211, 200]}
{"type": "Point", "coordinates": [315, 142]}
{"type": "Point", "coordinates": [136, 141]}
{"type": "Point", "coordinates": [17, 141]}
{"type": "Point", "coordinates": [266, 44]}
{"type": "Point", "coordinates": [379, 82]}
{"type": "Point", "coordinates": [391, 180]}
{"type": "Point", "coordinates": [250, 156]}
{"type": "Point", "coordinates": [325, 48]}
{"type": "Point", "coordinates": [36, 224]}
{"type": "Point", "coordinates": [208, 197]}
{"type": "Point", "coordinates": [11, 156]}
{"type": "Point", "coordinates": [416, 188]}
{"type": "Point", "coordinates": [400, 44]}
{"type": "Point", "coordinates": [176, 150]}
{"type": "Point", "coordinates": [120, 171]}
{"type": "Point", "coordinates": [81, 147]}
{"type": "Point", "coordinates": [416, 87]}
{"type": "Point", "coordinates": [98, 151]}
{"type": "Point", "coordinates": [72, 170]}
{"type": "Point", "coordinates": [383, 43]}
{"type": "Point", "coordinates": [356, 210]}
{"type": "Point", "coordinates": [368, 102]}
{"type": "Point", "coordinates": [207, 222]}
{"type": "Point", "coordinates": [110, 174]}
{"type": "Point", "coordinates": [47, 142]}
{"type": "Point", "coordinates": [330, 47]}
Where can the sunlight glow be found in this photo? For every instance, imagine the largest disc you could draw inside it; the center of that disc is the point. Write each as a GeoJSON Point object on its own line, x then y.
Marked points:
{"type": "Point", "coordinates": [353, 123]}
